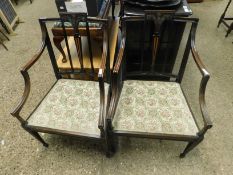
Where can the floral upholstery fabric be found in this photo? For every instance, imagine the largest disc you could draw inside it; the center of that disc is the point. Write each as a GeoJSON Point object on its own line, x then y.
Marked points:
{"type": "Point", "coordinates": [101, 9]}
{"type": "Point", "coordinates": [155, 107]}
{"type": "Point", "coordinates": [82, 24]}
{"type": "Point", "coordinates": [71, 105]}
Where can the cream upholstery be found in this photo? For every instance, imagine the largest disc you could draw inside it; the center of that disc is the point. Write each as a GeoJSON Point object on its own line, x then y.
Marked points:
{"type": "Point", "coordinates": [155, 107]}
{"type": "Point", "coordinates": [71, 105]}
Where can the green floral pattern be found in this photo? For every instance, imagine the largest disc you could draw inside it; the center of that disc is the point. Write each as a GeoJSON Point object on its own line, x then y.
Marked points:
{"type": "Point", "coordinates": [155, 107]}
{"type": "Point", "coordinates": [71, 105]}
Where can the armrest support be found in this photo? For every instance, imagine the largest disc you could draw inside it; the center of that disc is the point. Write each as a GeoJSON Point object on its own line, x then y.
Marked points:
{"type": "Point", "coordinates": [115, 76]}
{"type": "Point", "coordinates": [102, 68]}
{"type": "Point", "coordinates": [205, 77]}
{"type": "Point", "coordinates": [24, 72]}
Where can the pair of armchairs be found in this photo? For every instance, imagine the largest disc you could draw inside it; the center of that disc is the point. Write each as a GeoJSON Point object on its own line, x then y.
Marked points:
{"type": "Point", "coordinates": [116, 104]}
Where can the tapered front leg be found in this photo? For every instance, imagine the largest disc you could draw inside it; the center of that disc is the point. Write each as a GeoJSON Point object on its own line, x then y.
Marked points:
{"type": "Point", "coordinates": [190, 146]}
{"type": "Point", "coordinates": [229, 30]}
{"type": "Point", "coordinates": [36, 136]}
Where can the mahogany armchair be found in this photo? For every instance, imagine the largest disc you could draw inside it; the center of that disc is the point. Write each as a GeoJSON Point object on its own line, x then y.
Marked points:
{"type": "Point", "coordinates": [72, 106]}
{"type": "Point", "coordinates": [150, 102]}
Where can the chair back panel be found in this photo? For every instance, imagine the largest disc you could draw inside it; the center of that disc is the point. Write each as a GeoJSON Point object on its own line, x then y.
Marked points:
{"type": "Point", "coordinates": [152, 50]}
{"type": "Point", "coordinates": [83, 54]}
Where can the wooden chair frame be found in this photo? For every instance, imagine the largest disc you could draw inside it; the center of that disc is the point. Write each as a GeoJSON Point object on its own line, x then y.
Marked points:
{"type": "Point", "coordinates": [103, 70]}
{"type": "Point", "coordinates": [224, 20]}
{"type": "Point", "coordinates": [118, 78]}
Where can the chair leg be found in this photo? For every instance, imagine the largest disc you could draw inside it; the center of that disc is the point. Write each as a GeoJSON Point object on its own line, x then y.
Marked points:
{"type": "Point", "coordinates": [16, 2]}
{"type": "Point", "coordinates": [1, 42]}
{"type": "Point", "coordinates": [4, 35]}
{"type": "Point", "coordinates": [36, 136]}
{"type": "Point", "coordinates": [108, 153]}
{"type": "Point", "coordinates": [229, 30]}
{"type": "Point", "coordinates": [190, 146]}
{"type": "Point", "coordinates": [224, 13]}
{"type": "Point", "coordinates": [110, 148]}
{"type": "Point", "coordinates": [113, 9]}
{"type": "Point", "coordinates": [220, 20]}
{"type": "Point", "coordinates": [57, 42]}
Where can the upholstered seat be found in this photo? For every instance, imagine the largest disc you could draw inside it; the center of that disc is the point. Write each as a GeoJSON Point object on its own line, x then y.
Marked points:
{"type": "Point", "coordinates": [154, 107]}
{"type": "Point", "coordinates": [71, 105]}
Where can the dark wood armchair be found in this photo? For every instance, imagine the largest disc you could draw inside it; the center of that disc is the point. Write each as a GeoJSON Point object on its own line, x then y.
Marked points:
{"type": "Point", "coordinates": [72, 106]}
{"type": "Point", "coordinates": [149, 102]}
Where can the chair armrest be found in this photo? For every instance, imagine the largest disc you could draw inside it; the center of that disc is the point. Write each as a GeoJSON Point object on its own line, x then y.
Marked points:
{"type": "Point", "coordinates": [102, 68]}
{"type": "Point", "coordinates": [24, 72]}
{"type": "Point", "coordinates": [205, 78]}
{"type": "Point", "coordinates": [121, 52]}
{"type": "Point", "coordinates": [115, 76]}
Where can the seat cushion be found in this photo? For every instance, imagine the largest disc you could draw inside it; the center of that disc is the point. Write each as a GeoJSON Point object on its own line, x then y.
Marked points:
{"type": "Point", "coordinates": [71, 105]}
{"type": "Point", "coordinates": [154, 107]}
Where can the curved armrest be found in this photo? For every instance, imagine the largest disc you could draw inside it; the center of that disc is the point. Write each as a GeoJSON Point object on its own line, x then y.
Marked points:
{"type": "Point", "coordinates": [205, 77]}
{"type": "Point", "coordinates": [24, 72]}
